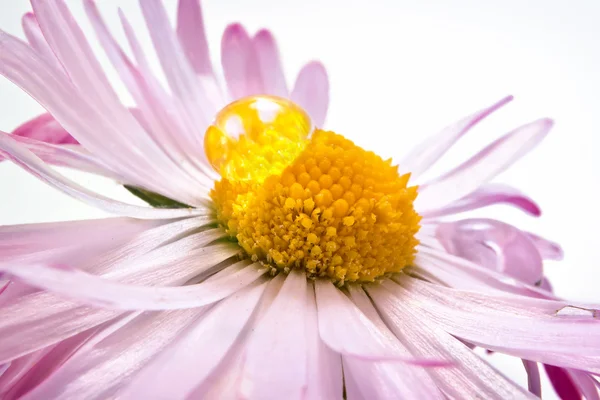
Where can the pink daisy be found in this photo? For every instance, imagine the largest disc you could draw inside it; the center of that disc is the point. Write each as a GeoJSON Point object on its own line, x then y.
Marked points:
{"type": "Point", "coordinates": [274, 259]}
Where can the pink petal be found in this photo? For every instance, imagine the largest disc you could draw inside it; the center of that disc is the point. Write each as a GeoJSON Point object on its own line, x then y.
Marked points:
{"type": "Point", "coordinates": [280, 338]}
{"type": "Point", "coordinates": [324, 365]}
{"type": "Point", "coordinates": [192, 36]}
{"type": "Point", "coordinates": [36, 39]}
{"type": "Point", "coordinates": [495, 245]}
{"type": "Point", "coordinates": [44, 320]}
{"type": "Point", "coordinates": [481, 168]}
{"type": "Point", "coordinates": [178, 71]}
{"type": "Point", "coordinates": [71, 156]}
{"type": "Point", "coordinates": [270, 64]}
{"type": "Point", "coordinates": [562, 383]}
{"type": "Point", "coordinates": [506, 323]}
{"type": "Point", "coordinates": [212, 336]}
{"type": "Point", "coordinates": [311, 91]}
{"type": "Point", "coordinates": [586, 383]}
{"type": "Point", "coordinates": [240, 63]}
{"type": "Point", "coordinates": [386, 379]}
{"type": "Point", "coordinates": [470, 377]}
{"type": "Point", "coordinates": [548, 250]}
{"type": "Point", "coordinates": [534, 383]}
{"type": "Point", "coordinates": [153, 105]}
{"type": "Point", "coordinates": [45, 128]}
{"type": "Point", "coordinates": [106, 364]}
{"type": "Point", "coordinates": [137, 160]}
{"type": "Point", "coordinates": [32, 164]}
{"type": "Point", "coordinates": [433, 148]}
{"type": "Point", "coordinates": [346, 330]}
{"type": "Point", "coordinates": [487, 195]}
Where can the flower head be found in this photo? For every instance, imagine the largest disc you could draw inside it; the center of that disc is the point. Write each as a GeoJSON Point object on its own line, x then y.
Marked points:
{"type": "Point", "coordinates": [274, 259]}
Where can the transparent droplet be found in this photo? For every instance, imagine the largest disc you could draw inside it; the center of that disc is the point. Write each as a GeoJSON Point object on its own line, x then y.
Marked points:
{"type": "Point", "coordinates": [255, 136]}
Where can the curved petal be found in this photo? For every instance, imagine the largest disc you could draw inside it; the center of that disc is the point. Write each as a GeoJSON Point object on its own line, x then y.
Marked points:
{"type": "Point", "coordinates": [240, 63]}
{"type": "Point", "coordinates": [36, 39]}
{"type": "Point", "coordinates": [487, 195]}
{"type": "Point", "coordinates": [105, 364]}
{"type": "Point", "coordinates": [280, 338]}
{"type": "Point", "coordinates": [481, 168]}
{"type": "Point", "coordinates": [212, 336]}
{"type": "Point", "coordinates": [32, 164]}
{"type": "Point", "coordinates": [495, 245]}
{"type": "Point", "coordinates": [346, 330]}
{"type": "Point", "coordinates": [90, 289]}
{"type": "Point", "coordinates": [421, 158]}
{"type": "Point", "coordinates": [505, 323]}
{"type": "Point", "coordinates": [192, 36]}
{"type": "Point", "coordinates": [534, 383]}
{"type": "Point", "coordinates": [562, 383]}
{"type": "Point", "coordinates": [311, 91]}
{"type": "Point", "coordinates": [45, 128]}
{"type": "Point", "coordinates": [270, 64]}
{"type": "Point", "coordinates": [470, 377]}
{"type": "Point", "coordinates": [548, 250]}
{"type": "Point", "coordinates": [325, 379]}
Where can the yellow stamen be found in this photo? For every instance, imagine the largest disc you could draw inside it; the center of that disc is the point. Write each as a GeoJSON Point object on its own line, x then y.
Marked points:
{"type": "Point", "coordinates": [317, 202]}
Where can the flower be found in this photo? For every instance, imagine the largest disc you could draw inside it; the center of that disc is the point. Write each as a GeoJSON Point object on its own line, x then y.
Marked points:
{"type": "Point", "coordinates": [278, 259]}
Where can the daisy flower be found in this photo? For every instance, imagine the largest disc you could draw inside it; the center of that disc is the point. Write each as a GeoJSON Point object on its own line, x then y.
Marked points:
{"type": "Point", "coordinates": [273, 259]}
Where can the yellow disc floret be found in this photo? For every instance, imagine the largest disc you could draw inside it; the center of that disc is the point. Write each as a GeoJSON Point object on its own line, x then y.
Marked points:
{"type": "Point", "coordinates": [324, 204]}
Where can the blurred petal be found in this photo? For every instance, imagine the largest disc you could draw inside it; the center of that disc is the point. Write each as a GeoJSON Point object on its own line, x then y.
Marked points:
{"type": "Point", "coordinates": [311, 91]}
{"type": "Point", "coordinates": [240, 63]}
{"type": "Point", "coordinates": [487, 195]}
{"type": "Point", "coordinates": [432, 149]}
{"type": "Point", "coordinates": [192, 36]}
{"type": "Point", "coordinates": [45, 128]}
{"type": "Point", "coordinates": [495, 245]}
{"type": "Point", "coordinates": [533, 377]}
{"type": "Point", "coordinates": [481, 168]}
{"type": "Point", "coordinates": [562, 383]}
{"type": "Point", "coordinates": [270, 64]}
{"type": "Point", "coordinates": [548, 250]}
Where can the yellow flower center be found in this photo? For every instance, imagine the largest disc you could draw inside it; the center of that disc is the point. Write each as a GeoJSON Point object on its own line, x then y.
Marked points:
{"type": "Point", "coordinates": [314, 200]}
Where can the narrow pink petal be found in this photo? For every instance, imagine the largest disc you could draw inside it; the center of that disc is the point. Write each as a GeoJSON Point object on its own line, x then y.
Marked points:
{"type": "Point", "coordinates": [44, 320]}
{"type": "Point", "coordinates": [240, 63]}
{"type": "Point", "coordinates": [587, 385]}
{"type": "Point", "coordinates": [386, 379]}
{"type": "Point", "coordinates": [346, 330]}
{"type": "Point", "coordinates": [36, 39]}
{"type": "Point", "coordinates": [71, 156]}
{"type": "Point", "coordinates": [192, 36]}
{"type": "Point", "coordinates": [84, 118]}
{"type": "Point", "coordinates": [506, 323]}
{"type": "Point", "coordinates": [433, 148]}
{"type": "Point", "coordinates": [548, 250]}
{"type": "Point", "coordinates": [325, 379]}
{"type": "Point", "coordinates": [153, 105]}
{"type": "Point", "coordinates": [177, 69]}
{"type": "Point", "coordinates": [562, 383]}
{"type": "Point", "coordinates": [482, 167]}
{"type": "Point", "coordinates": [45, 128]}
{"type": "Point", "coordinates": [107, 363]}
{"type": "Point", "coordinates": [19, 154]}
{"type": "Point", "coordinates": [534, 383]}
{"type": "Point", "coordinates": [51, 359]}
{"type": "Point", "coordinates": [225, 380]}
{"type": "Point", "coordinates": [495, 245]}
{"type": "Point", "coordinates": [311, 91]}
{"type": "Point", "coordinates": [97, 291]}
{"type": "Point", "coordinates": [270, 64]}
{"type": "Point", "coordinates": [33, 242]}
{"type": "Point", "coordinates": [487, 195]}
{"type": "Point", "coordinates": [212, 336]}
{"type": "Point", "coordinates": [17, 368]}
{"type": "Point", "coordinates": [280, 338]}
{"type": "Point", "coordinates": [438, 260]}
{"type": "Point", "coordinates": [471, 377]}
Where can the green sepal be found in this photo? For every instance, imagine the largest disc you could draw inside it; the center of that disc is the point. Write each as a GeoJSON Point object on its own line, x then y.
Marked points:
{"type": "Point", "coordinates": [154, 199]}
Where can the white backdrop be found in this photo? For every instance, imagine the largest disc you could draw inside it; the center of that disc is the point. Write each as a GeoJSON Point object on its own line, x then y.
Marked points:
{"type": "Point", "coordinates": [400, 70]}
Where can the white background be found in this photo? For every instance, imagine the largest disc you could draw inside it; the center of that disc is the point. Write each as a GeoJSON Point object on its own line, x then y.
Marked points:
{"type": "Point", "coordinates": [400, 70]}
